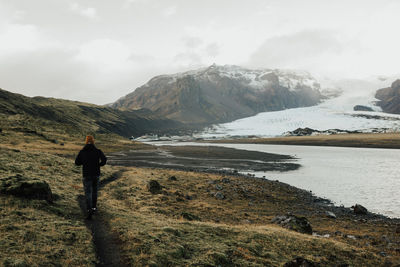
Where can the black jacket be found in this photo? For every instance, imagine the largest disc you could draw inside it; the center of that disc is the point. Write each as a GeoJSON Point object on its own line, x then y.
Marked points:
{"type": "Point", "coordinates": [91, 158]}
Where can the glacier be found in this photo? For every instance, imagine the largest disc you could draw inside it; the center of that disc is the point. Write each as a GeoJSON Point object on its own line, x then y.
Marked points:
{"type": "Point", "coordinates": [334, 113]}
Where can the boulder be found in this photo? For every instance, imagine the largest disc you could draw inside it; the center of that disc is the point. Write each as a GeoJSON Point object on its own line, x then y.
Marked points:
{"type": "Point", "coordinates": [330, 214]}
{"type": "Point", "coordinates": [26, 187]}
{"type": "Point", "coordinates": [219, 195]}
{"type": "Point", "coordinates": [190, 217]}
{"type": "Point", "coordinates": [295, 223]}
{"type": "Point", "coordinates": [226, 180]}
{"type": "Point", "coordinates": [362, 108]}
{"type": "Point", "coordinates": [154, 187]}
{"type": "Point", "coordinates": [172, 178]}
{"type": "Point", "coordinates": [299, 262]}
{"type": "Point", "coordinates": [218, 187]}
{"type": "Point", "coordinates": [361, 210]}
{"type": "Point", "coordinates": [303, 131]}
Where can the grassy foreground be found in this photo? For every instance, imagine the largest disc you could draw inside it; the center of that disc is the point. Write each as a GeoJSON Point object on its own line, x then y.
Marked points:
{"type": "Point", "coordinates": [184, 224]}
{"type": "Point", "coordinates": [378, 140]}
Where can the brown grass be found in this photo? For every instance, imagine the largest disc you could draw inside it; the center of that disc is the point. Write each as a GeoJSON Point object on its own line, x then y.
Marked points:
{"type": "Point", "coordinates": [152, 229]}
{"type": "Point", "coordinates": [233, 231]}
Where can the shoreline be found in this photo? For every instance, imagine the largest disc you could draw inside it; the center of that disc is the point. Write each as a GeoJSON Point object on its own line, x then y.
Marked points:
{"type": "Point", "coordinates": [153, 155]}
{"type": "Point", "coordinates": [367, 140]}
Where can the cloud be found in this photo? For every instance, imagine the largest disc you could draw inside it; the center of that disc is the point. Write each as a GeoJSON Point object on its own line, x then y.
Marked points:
{"type": "Point", "coordinates": [19, 38]}
{"type": "Point", "coordinates": [188, 59]}
{"type": "Point", "coordinates": [192, 42]}
{"type": "Point", "coordinates": [212, 50]}
{"type": "Point", "coordinates": [105, 54]}
{"type": "Point", "coordinates": [296, 50]}
{"type": "Point", "coordinates": [88, 12]}
{"type": "Point", "coordinates": [169, 11]}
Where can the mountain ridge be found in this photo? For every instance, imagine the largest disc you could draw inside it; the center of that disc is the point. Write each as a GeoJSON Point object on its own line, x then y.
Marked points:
{"type": "Point", "coordinates": [222, 93]}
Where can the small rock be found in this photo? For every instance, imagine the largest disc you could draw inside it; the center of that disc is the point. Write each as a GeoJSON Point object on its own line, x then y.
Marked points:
{"type": "Point", "coordinates": [362, 108]}
{"type": "Point", "coordinates": [385, 238]}
{"type": "Point", "coordinates": [295, 223]}
{"type": "Point", "coordinates": [382, 253]}
{"type": "Point", "coordinates": [330, 214]}
{"type": "Point", "coordinates": [351, 237]}
{"type": "Point", "coordinates": [178, 193]}
{"type": "Point", "coordinates": [172, 178]}
{"type": "Point", "coordinates": [212, 181]}
{"type": "Point", "coordinates": [226, 180]}
{"type": "Point", "coordinates": [154, 187]}
{"type": "Point", "coordinates": [219, 195]}
{"type": "Point", "coordinates": [361, 210]}
{"type": "Point", "coordinates": [218, 187]}
{"type": "Point", "coordinates": [188, 197]}
{"type": "Point", "coordinates": [299, 262]}
{"type": "Point", "coordinates": [179, 199]}
{"type": "Point", "coordinates": [190, 217]}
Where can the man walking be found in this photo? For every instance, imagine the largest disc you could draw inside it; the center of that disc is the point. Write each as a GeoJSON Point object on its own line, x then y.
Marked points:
{"type": "Point", "coordinates": [92, 159]}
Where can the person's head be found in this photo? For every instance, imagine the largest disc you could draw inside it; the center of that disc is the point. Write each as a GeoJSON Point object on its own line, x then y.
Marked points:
{"type": "Point", "coordinates": [89, 140]}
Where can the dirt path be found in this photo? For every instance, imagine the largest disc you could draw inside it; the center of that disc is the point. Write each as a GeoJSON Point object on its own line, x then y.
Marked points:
{"type": "Point", "coordinates": [106, 243]}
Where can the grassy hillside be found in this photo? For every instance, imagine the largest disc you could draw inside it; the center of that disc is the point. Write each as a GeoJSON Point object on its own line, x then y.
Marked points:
{"type": "Point", "coordinates": [185, 224]}
{"type": "Point", "coordinates": [49, 116]}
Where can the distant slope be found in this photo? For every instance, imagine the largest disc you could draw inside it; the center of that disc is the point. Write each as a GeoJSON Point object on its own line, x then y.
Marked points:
{"type": "Point", "coordinates": [222, 93]}
{"type": "Point", "coordinates": [390, 98]}
{"type": "Point", "coordinates": [41, 114]}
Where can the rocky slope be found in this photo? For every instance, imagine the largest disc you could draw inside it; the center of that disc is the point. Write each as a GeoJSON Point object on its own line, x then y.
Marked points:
{"type": "Point", "coordinates": [222, 93]}
{"type": "Point", "coordinates": [389, 98]}
{"type": "Point", "coordinates": [40, 114]}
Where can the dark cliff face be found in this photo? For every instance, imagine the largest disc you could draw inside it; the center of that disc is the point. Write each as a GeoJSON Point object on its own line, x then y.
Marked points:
{"type": "Point", "coordinates": [222, 93]}
{"type": "Point", "coordinates": [389, 98]}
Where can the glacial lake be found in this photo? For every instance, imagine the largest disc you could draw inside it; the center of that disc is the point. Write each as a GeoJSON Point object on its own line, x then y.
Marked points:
{"type": "Point", "coordinates": [346, 176]}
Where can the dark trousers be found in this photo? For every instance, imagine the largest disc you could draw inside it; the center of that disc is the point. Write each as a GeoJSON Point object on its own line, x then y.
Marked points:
{"type": "Point", "coordinates": [90, 185]}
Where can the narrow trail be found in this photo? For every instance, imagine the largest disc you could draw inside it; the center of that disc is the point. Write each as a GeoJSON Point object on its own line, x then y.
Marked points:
{"type": "Point", "coordinates": [107, 244]}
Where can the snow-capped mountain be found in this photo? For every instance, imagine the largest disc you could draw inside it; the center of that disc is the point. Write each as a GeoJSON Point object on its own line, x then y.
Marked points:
{"type": "Point", "coordinates": [255, 78]}
{"type": "Point", "coordinates": [223, 93]}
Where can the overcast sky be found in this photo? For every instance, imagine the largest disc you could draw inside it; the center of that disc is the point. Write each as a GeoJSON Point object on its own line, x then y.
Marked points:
{"type": "Point", "coordinates": [99, 50]}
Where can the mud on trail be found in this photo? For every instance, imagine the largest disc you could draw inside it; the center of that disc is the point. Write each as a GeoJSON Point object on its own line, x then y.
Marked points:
{"type": "Point", "coordinates": [107, 244]}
